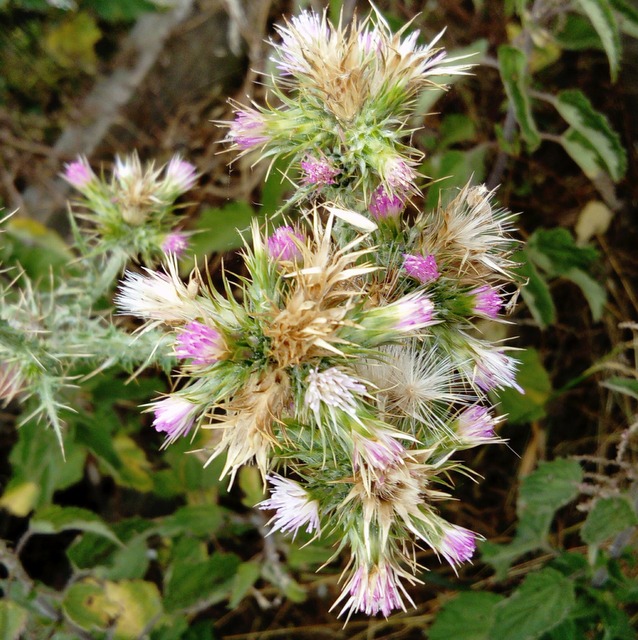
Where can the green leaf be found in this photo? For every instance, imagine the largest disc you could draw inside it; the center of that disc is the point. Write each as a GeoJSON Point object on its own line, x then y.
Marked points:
{"type": "Point", "coordinates": [121, 10]}
{"type": "Point", "coordinates": [219, 228]}
{"type": "Point", "coordinates": [85, 604]}
{"type": "Point", "coordinates": [556, 252]}
{"type": "Point", "coordinates": [579, 113]}
{"type": "Point", "coordinates": [626, 386]}
{"type": "Point", "coordinates": [252, 486]}
{"type": "Point", "coordinates": [453, 169]}
{"type": "Point", "coordinates": [583, 153]}
{"type": "Point", "coordinates": [279, 181]}
{"type": "Point", "coordinates": [534, 379]}
{"type": "Point", "coordinates": [38, 470]}
{"type": "Point", "coordinates": [609, 517]}
{"type": "Point", "coordinates": [469, 616]}
{"type": "Point", "coordinates": [594, 292]}
{"type": "Point", "coordinates": [604, 21]}
{"type": "Point", "coordinates": [13, 620]}
{"type": "Point", "coordinates": [203, 583]}
{"type": "Point", "coordinates": [512, 64]}
{"type": "Point", "coordinates": [196, 520]}
{"type": "Point", "coordinates": [247, 574]}
{"type": "Point", "coordinates": [53, 519]}
{"type": "Point", "coordinates": [627, 15]}
{"type": "Point", "coordinates": [536, 291]}
{"type": "Point", "coordinates": [551, 486]}
{"type": "Point", "coordinates": [576, 33]}
{"type": "Point", "coordinates": [542, 602]}
{"type": "Point", "coordinates": [455, 128]}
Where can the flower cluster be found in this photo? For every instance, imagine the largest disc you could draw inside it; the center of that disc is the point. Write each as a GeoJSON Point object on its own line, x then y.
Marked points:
{"type": "Point", "coordinates": [350, 355]}
{"type": "Point", "coordinates": [134, 212]}
{"type": "Point", "coordinates": [345, 94]}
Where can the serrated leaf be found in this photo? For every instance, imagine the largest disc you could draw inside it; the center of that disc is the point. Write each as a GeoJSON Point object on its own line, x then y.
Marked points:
{"type": "Point", "coordinates": [533, 377]}
{"type": "Point", "coordinates": [85, 604]}
{"type": "Point", "coordinates": [536, 292]}
{"type": "Point", "coordinates": [13, 620]}
{"type": "Point", "coordinates": [468, 617]}
{"type": "Point", "coordinates": [19, 499]}
{"type": "Point", "coordinates": [579, 113]}
{"type": "Point", "coordinates": [53, 519]}
{"type": "Point", "coordinates": [137, 603]}
{"type": "Point", "coordinates": [594, 292]}
{"type": "Point", "coordinates": [626, 386]}
{"type": "Point", "coordinates": [512, 64]}
{"type": "Point", "coordinates": [576, 33]}
{"type": "Point", "coordinates": [609, 517]}
{"type": "Point", "coordinates": [594, 219]}
{"type": "Point", "coordinates": [208, 582]}
{"type": "Point", "coordinates": [604, 21]}
{"type": "Point", "coordinates": [542, 602]}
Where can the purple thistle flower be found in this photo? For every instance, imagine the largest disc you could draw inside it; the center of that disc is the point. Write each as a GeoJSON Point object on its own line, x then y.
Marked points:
{"type": "Point", "coordinates": [383, 205]}
{"type": "Point", "coordinates": [174, 416]}
{"type": "Point", "coordinates": [248, 130]}
{"type": "Point", "coordinates": [380, 451]}
{"type": "Point", "coordinates": [398, 175]}
{"type": "Point", "coordinates": [175, 243]}
{"type": "Point", "coordinates": [457, 545]}
{"type": "Point", "coordinates": [318, 171]}
{"type": "Point", "coordinates": [78, 174]}
{"type": "Point", "coordinates": [201, 343]}
{"type": "Point", "coordinates": [415, 312]}
{"type": "Point", "coordinates": [293, 507]}
{"type": "Point", "coordinates": [374, 590]}
{"type": "Point", "coordinates": [422, 268]}
{"type": "Point", "coordinates": [282, 245]}
{"type": "Point", "coordinates": [475, 425]}
{"type": "Point", "coordinates": [487, 301]}
{"type": "Point", "coordinates": [495, 370]}
{"type": "Point", "coordinates": [180, 175]}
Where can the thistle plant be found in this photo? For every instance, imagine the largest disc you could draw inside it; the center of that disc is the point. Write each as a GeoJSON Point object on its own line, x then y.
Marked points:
{"type": "Point", "coordinates": [346, 364]}
{"type": "Point", "coordinates": [52, 334]}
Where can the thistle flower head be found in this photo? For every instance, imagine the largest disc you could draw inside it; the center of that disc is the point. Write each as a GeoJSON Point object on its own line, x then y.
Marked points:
{"type": "Point", "coordinates": [415, 312]}
{"type": "Point", "coordinates": [179, 177]}
{"type": "Point", "coordinates": [248, 130]}
{"type": "Point", "coordinates": [318, 171]}
{"type": "Point", "coordinates": [494, 370]}
{"type": "Point", "coordinates": [175, 243]}
{"type": "Point", "coordinates": [377, 450]}
{"type": "Point", "coordinates": [457, 544]}
{"type": "Point", "coordinates": [202, 344]}
{"type": "Point", "coordinates": [375, 588]}
{"type": "Point", "coordinates": [475, 425]}
{"type": "Point", "coordinates": [293, 505]}
{"type": "Point", "coordinates": [334, 388]}
{"type": "Point", "coordinates": [156, 296]}
{"type": "Point", "coordinates": [383, 205]}
{"type": "Point", "coordinates": [487, 301]}
{"type": "Point", "coordinates": [79, 173]}
{"type": "Point", "coordinates": [174, 416]}
{"type": "Point", "coordinates": [421, 268]}
{"type": "Point", "coordinates": [283, 244]}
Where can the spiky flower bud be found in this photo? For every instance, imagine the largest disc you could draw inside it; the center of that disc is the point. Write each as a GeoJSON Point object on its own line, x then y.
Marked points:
{"type": "Point", "coordinates": [487, 301]}
{"type": "Point", "coordinates": [318, 171]}
{"type": "Point", "coordinates": [175, 243]}
{"type": "Point", "coordinates": [383, 205]}
{"type": "Point", "coordinates": [174, 416]}
{"type": "Point", "coordinates": [248, 130]}
{"type": "Point", "coordinates": [282, 244]}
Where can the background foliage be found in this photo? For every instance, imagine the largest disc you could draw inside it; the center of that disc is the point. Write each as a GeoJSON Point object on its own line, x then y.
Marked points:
{"type": "Point", "coordinates": [122, 540]}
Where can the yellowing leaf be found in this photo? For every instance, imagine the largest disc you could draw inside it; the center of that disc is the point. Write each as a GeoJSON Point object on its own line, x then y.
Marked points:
{"type": "Point", "coordinates": [21, 499]}
{"type": "Point", "coordinates": [71, 43]}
